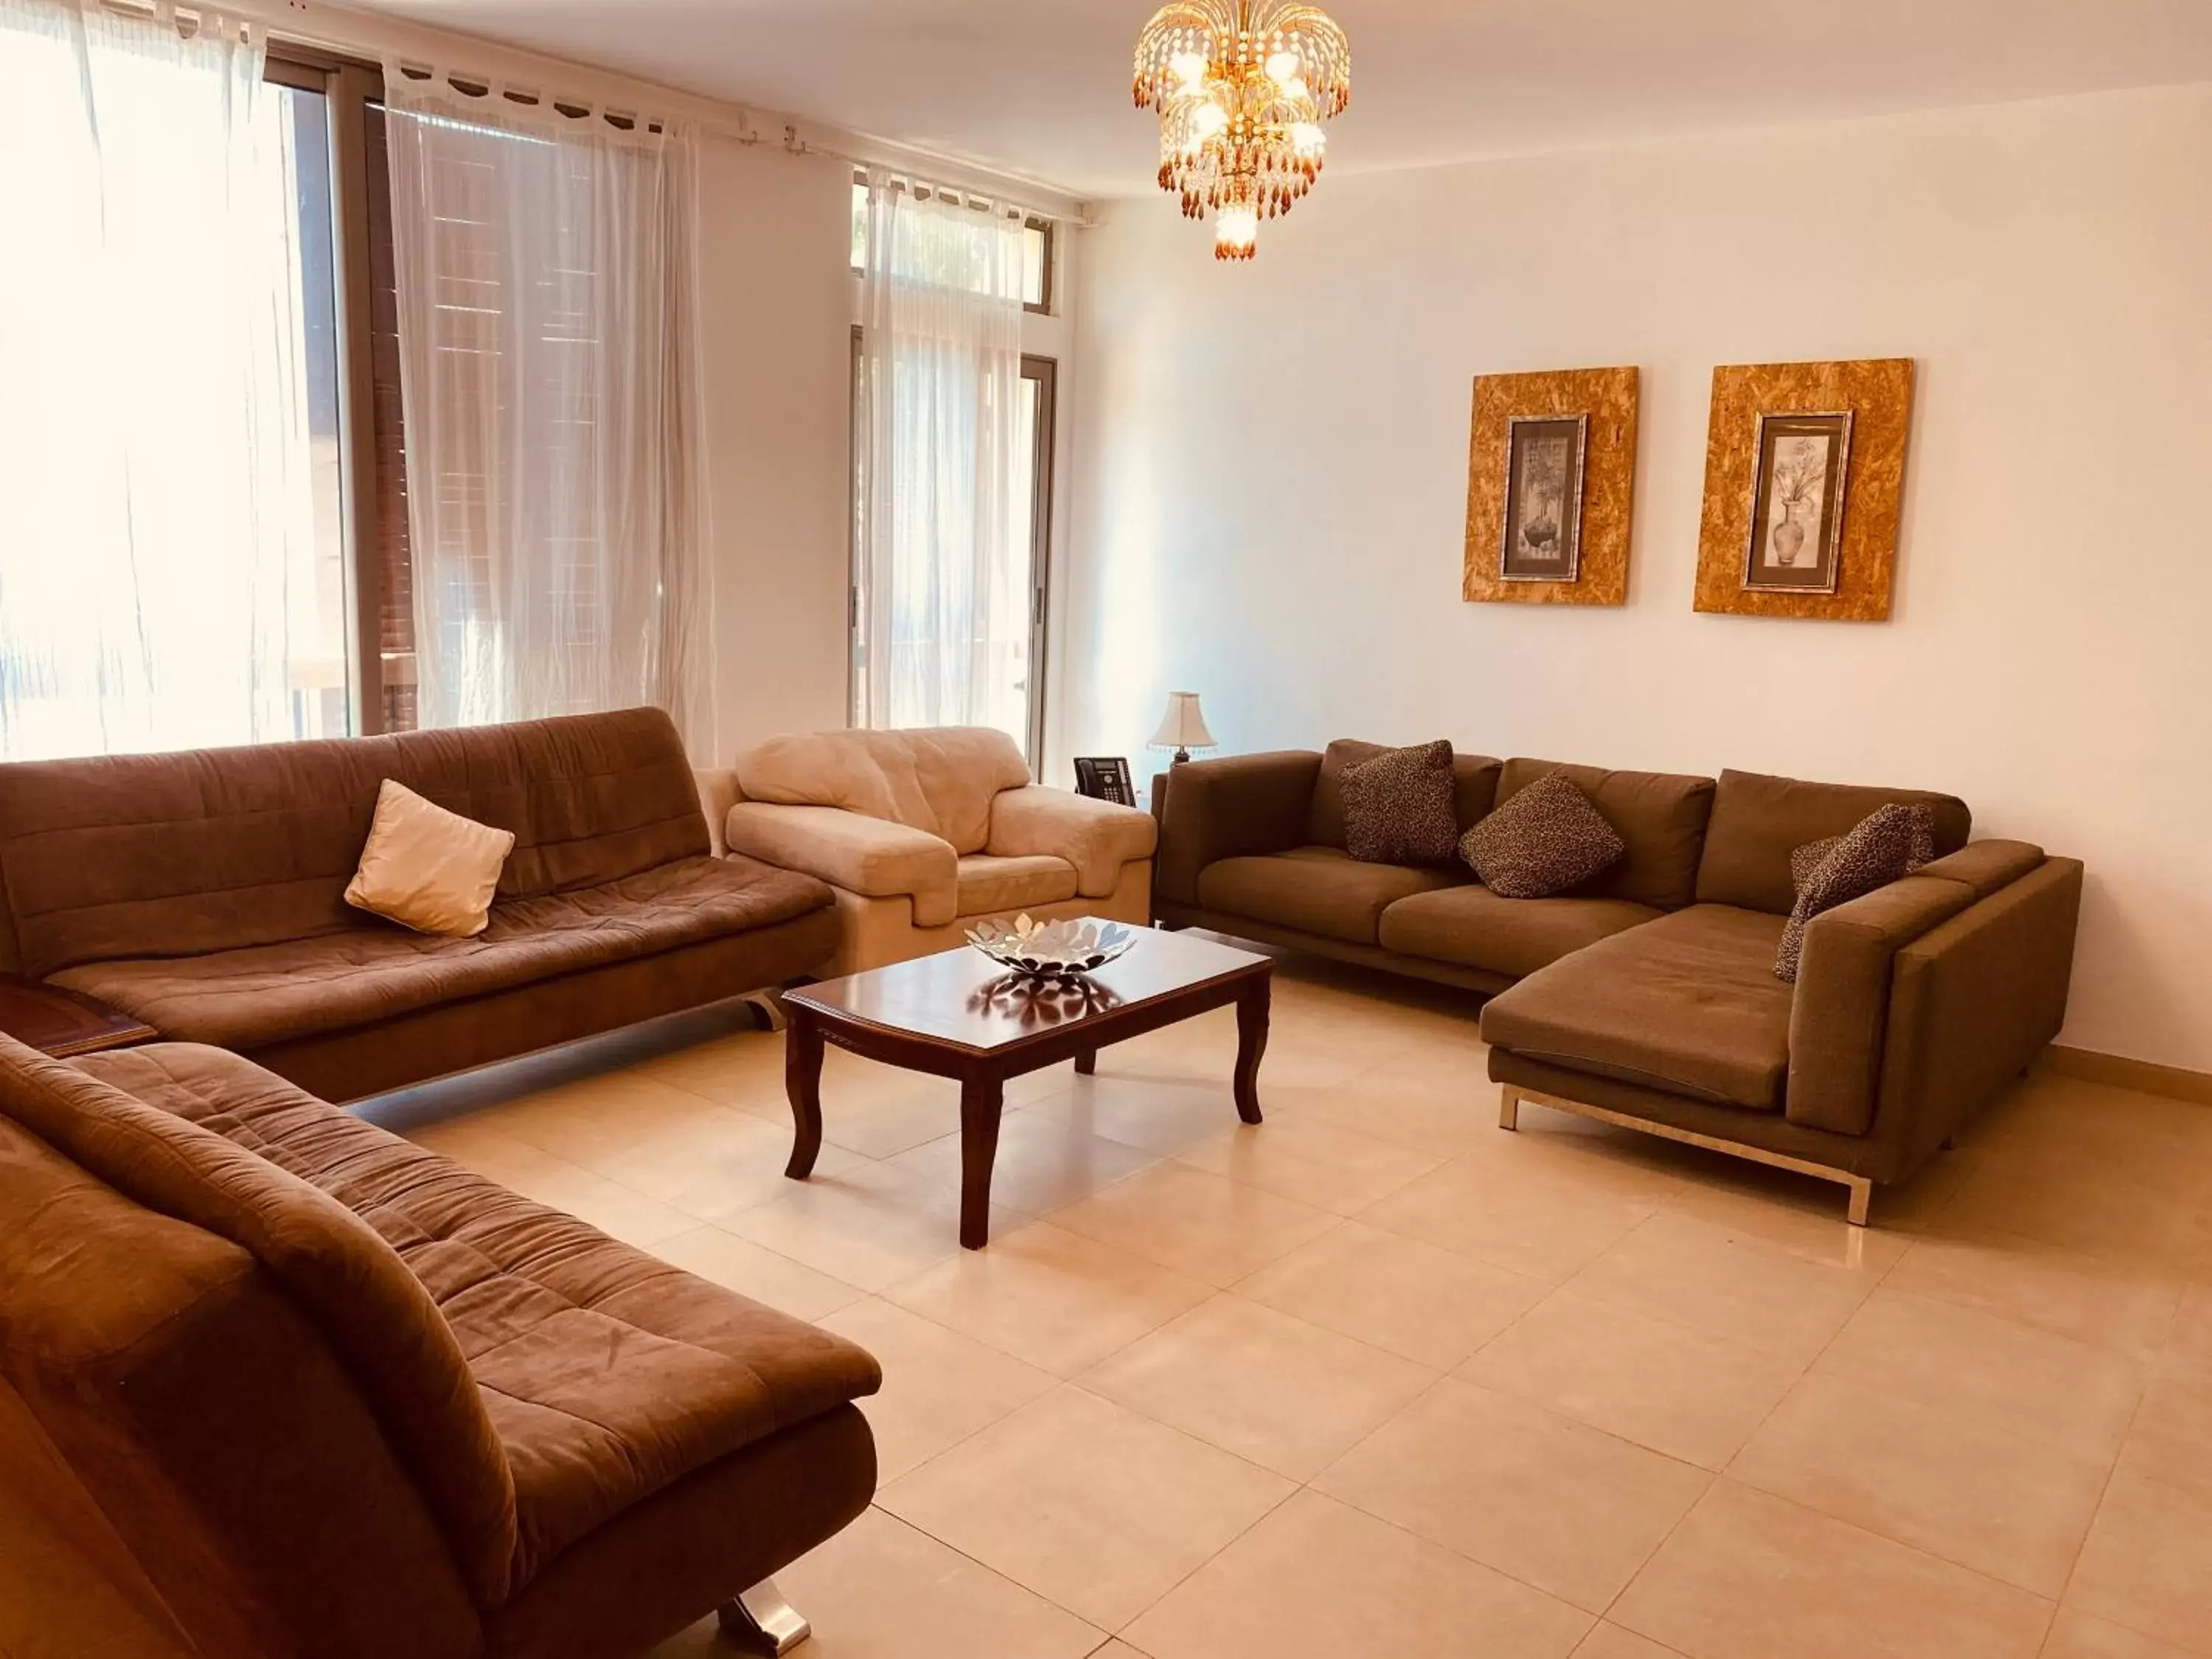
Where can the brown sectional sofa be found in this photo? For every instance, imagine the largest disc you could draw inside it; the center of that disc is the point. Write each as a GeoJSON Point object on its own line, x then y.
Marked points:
{"type": "Point", "coordinates": [1647, 997]}
{"type": "Point", "coordinates": [341, 1399]}
{"type": "Point", "coordinates": [202, 893]}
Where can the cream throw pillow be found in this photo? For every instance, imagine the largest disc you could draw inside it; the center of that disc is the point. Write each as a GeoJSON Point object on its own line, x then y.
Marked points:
{"type": "Point", "coordinates": [427, 868]}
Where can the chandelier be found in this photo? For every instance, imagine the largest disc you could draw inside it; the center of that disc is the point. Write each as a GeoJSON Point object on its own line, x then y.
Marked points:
{"type": "Point", "coordinates": [1242, 87]}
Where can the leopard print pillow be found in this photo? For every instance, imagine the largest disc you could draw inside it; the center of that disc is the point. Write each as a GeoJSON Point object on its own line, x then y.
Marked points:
{"type": "Point", "coordinates": [1544, 840]}
{"type": "Point", "coordinates": [1400, 807]}
{"type": "Point", "coordinates": [1889, 844]}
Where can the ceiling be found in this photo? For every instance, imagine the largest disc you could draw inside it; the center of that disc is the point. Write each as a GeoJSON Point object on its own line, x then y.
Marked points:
{"type": "Point", "coordinates": [1041, 87]}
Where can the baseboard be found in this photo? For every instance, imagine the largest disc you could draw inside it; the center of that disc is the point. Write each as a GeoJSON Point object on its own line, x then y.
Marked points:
{"type": "Point", "coordinates": [2175, 1082]}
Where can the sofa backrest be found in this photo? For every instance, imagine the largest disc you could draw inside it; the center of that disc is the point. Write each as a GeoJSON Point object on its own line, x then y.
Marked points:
{"type": "Point", "coordinates": [1758, 820]}
{"type": "Point", "coordinates": [1474, 784]}
{"type": "Point", "coordinates": [170, 855]}
{"type": "Point", "coordinates": [1660, 815]}
{"type": "Point", "coordinates": [198, 1337]}
{"type": "Point", "coordinates": [940, 780]}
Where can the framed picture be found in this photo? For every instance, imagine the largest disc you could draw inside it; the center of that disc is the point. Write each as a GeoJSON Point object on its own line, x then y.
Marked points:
{"type": "Point", "coordinates": [1105, 777]}
{"type": "Point", "coordinates": [1542, 541]}
{"type": "Point", "coordinates": [1800, 465]}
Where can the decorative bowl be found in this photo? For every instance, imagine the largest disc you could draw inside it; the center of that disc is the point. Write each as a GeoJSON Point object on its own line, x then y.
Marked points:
{"type": "Point", "coordinates": [1051, 950]}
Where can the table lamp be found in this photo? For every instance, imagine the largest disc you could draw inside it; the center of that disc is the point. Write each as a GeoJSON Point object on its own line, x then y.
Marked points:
{"type": "Point", "coordinates": [1183, 728]}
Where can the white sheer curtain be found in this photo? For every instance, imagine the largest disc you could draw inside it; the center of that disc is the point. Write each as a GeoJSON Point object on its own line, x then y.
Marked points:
{"type": "Point", "coordinates": [943, 540]}
{"type": "Point", "coordinates": [546, 300]}
{"type": "Point", "coordinates": [156, 513]}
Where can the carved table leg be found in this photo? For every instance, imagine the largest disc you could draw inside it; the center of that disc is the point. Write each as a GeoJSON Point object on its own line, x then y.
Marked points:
{"type": "Point", "coordinates": [981, 1097]}
{"type": "Point", "coordinates": [802, 1083]}
{"type": "Point", "coordinates": [1251, 1043]}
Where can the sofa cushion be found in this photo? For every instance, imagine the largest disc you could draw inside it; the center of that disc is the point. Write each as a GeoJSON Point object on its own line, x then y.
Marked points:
{"type": "Point", "coordinates": [1317, 889]}
{"type": "Point", "coordinates": [605, 1374]}
{"type": "Point", "coordinates": [1688, 1003]}
{"type": "Point", "coordinates": [426, 868]}
{"type": "Point", "coordinates": [940, 779]}
{"type": "Point", "coordinates": [1398, 807]}
{"type": "Point", "coordinates": [1660, 816]}
{"type": "Point", "coordinates": [1889, 845]}
{"type": "Point", "coordinates": [989, 883]}
{"type": "Point", "coordinates": [1474, 787]}
{"type": "Point", "coordinates": [125, 856]}
{"type": "Point", "coordinates": [267, 994]}
{"type": "Point", "coordinates": [1473, 927]}
{"type": "Point", "coordinates": [1759, 821]}
{"type": "Point", "coordinates": [1545, 840]}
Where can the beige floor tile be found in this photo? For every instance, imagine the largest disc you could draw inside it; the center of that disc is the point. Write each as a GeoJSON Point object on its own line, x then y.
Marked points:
{"type": "Point", "coordinates": [1086, 1502]}
{"type": "Point", "coordinates": [2056, 1126]}
{"type": "Point", "coordinates": [1162, 1113]}
{"type": "Point", "coordinates": [1423, 1303]}
{"type": "Point", "coordinates": [876, 1110]}
{"type": "Point", "coordinates": [1317, 1580]}
{"type": "Point", "coordinates": [712, 1164]}
{"type": "Point", "coordinates": [1444, 1115]}
{"type": "Point", "coordinates": [589, 1119]}
{"type": "Point", "coordinates": [1545, 1225]}
{"type": "Point", "coordinates": [1043, 1162]}
{"type": "Point", "coordinates": [2078, 1635]}
{"type": "Point", "coordinates": [2083, 1208]}
{"type": "Point", "coordinates": [939, 1387]}
{"type": "Point", "coordinates": [2190, 1343]}
{"type": "Point", "coordinates": [1055, 1299]}
{"type": "Point", "coordinates": [1747, 1576]}
{"type": "Point", "coordinates": [615, 1210]}
{"type": "Point", "coordinates": [1727, 1284]}
{"type": "Point", "coordinates": [880, 1589]}
{"type": "Point", "coordinates": [739, 1265]}
{"type": "Point", "coordinates": [2123, 1303]}
{"type": "Point", "coordinates": [744, 1070]}
{"type": "Point", "coordinates": [2008, 1376]}
{"type": "Point", "coordinates": [2148, 1562]}
{"type": "Point", "coordinates": [1553, 1502]}
{"type": "Point", "coordinates": [1290, 1396]}
{"type": "Point", "coordinates": [872, 1225]}
{"type": "Point", "coordinates": [2171, 1439]}
{"type": "Point", "coordinates": [1610, 1641]}
{"type": "Point", "coordinates": [1312, 1160]}
{"type": "Point", "coordinates": [1192, 1222]}
{"type": "Point", "coordinates": [1943, 1481]}
{"type": "Point", "coordinates": [1801, 1214]}
{"type": "Point", "coordinates": [1676, 1390]}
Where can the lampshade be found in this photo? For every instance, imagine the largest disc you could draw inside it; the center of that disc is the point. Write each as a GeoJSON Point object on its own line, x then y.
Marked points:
{"type": "Point", "coordinates": [1183, 726]}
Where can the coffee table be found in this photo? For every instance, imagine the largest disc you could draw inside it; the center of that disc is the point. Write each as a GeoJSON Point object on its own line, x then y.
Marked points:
{"type": "Point", "coordinates": [958, 1015]}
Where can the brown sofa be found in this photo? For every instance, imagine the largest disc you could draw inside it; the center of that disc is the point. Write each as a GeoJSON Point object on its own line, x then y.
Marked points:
{"type": "Point", "coordinates": [203, 892]}
{"type": "Point", "coordinates": [1647, 996]}
{"type": "Point", "coordinates": [339, 1397]}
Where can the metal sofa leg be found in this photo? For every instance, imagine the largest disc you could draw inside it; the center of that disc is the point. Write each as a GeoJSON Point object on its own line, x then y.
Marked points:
{"type": "Point", "coordinates": [1508, 1108]}
{"type": "Point", "coordinates": [767, 1008]}
{"type": "Point", "coordinates": [762, 1621]}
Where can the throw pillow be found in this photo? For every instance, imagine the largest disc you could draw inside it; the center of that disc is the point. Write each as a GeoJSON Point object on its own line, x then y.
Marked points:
{"type": "Point", "coordinates": [1398, 806]}
{"type": "Point", "coordinates": [426, 868]}
{"type": "Point", "coordinates": [1888, 845]}
{"type": "Point", "coordinates": [1544, 840]}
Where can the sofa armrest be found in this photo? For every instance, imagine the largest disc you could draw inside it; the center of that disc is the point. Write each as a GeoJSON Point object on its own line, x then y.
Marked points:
{"type": "Point", "coordinates": [1972, 1004]}
{"type": "Point", "coordinates": [1096, 836]}
{"type": "Point", "coordinates": [873, 857]}
{"type": "Point", "coordinates": [1842, 1001]}
{"type": "Point", "coordinates": [717, 793]}
{"type": "Point", "coordinates": [1230, 808]}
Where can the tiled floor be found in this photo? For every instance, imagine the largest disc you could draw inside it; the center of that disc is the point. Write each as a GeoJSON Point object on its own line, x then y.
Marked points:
{"type": "Point", "coordinates": [1378, 1378]}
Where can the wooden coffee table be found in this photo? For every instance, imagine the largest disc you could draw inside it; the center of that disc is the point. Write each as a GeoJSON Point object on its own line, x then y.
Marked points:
{"type": "Point", "coordinates": [956, 1014]}
{"type": "Point", "coordinates": [57, 1021]}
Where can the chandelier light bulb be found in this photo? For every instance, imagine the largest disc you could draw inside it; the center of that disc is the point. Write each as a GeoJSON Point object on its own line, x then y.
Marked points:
{"type": "Point", "coordinates": [1242, 88]}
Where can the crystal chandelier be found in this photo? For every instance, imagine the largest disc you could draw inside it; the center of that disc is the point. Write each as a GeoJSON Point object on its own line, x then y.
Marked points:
{"type": "Point", "coordinates": [1242, 87]}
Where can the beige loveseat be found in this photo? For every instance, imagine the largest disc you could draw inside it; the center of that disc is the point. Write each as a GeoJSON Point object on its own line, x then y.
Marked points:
{"type": "Point", "coordinates": [922, 834]}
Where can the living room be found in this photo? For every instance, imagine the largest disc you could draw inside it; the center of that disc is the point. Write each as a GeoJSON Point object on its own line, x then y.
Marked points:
{"type": "Point", "coordinates": [629, 1026]}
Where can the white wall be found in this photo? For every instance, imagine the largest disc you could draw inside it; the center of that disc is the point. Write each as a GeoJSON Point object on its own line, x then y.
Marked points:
{"type": "Point", "coordinates": [775, 353]}
{"type": "Point", "coordinates": [1272, 461]}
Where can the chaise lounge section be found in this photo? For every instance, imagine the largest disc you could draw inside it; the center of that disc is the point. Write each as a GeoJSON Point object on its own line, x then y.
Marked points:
{"type": "Point", "coordinates": [203, 893]}
{"type": "Point", "coordinates": [343, 1399]}
{"type": "Point", "coordinates": [1647, 997]}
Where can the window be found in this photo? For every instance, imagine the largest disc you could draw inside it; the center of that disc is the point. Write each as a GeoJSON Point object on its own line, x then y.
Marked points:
{"type": "Point", "coordinates": [1037, 251]}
